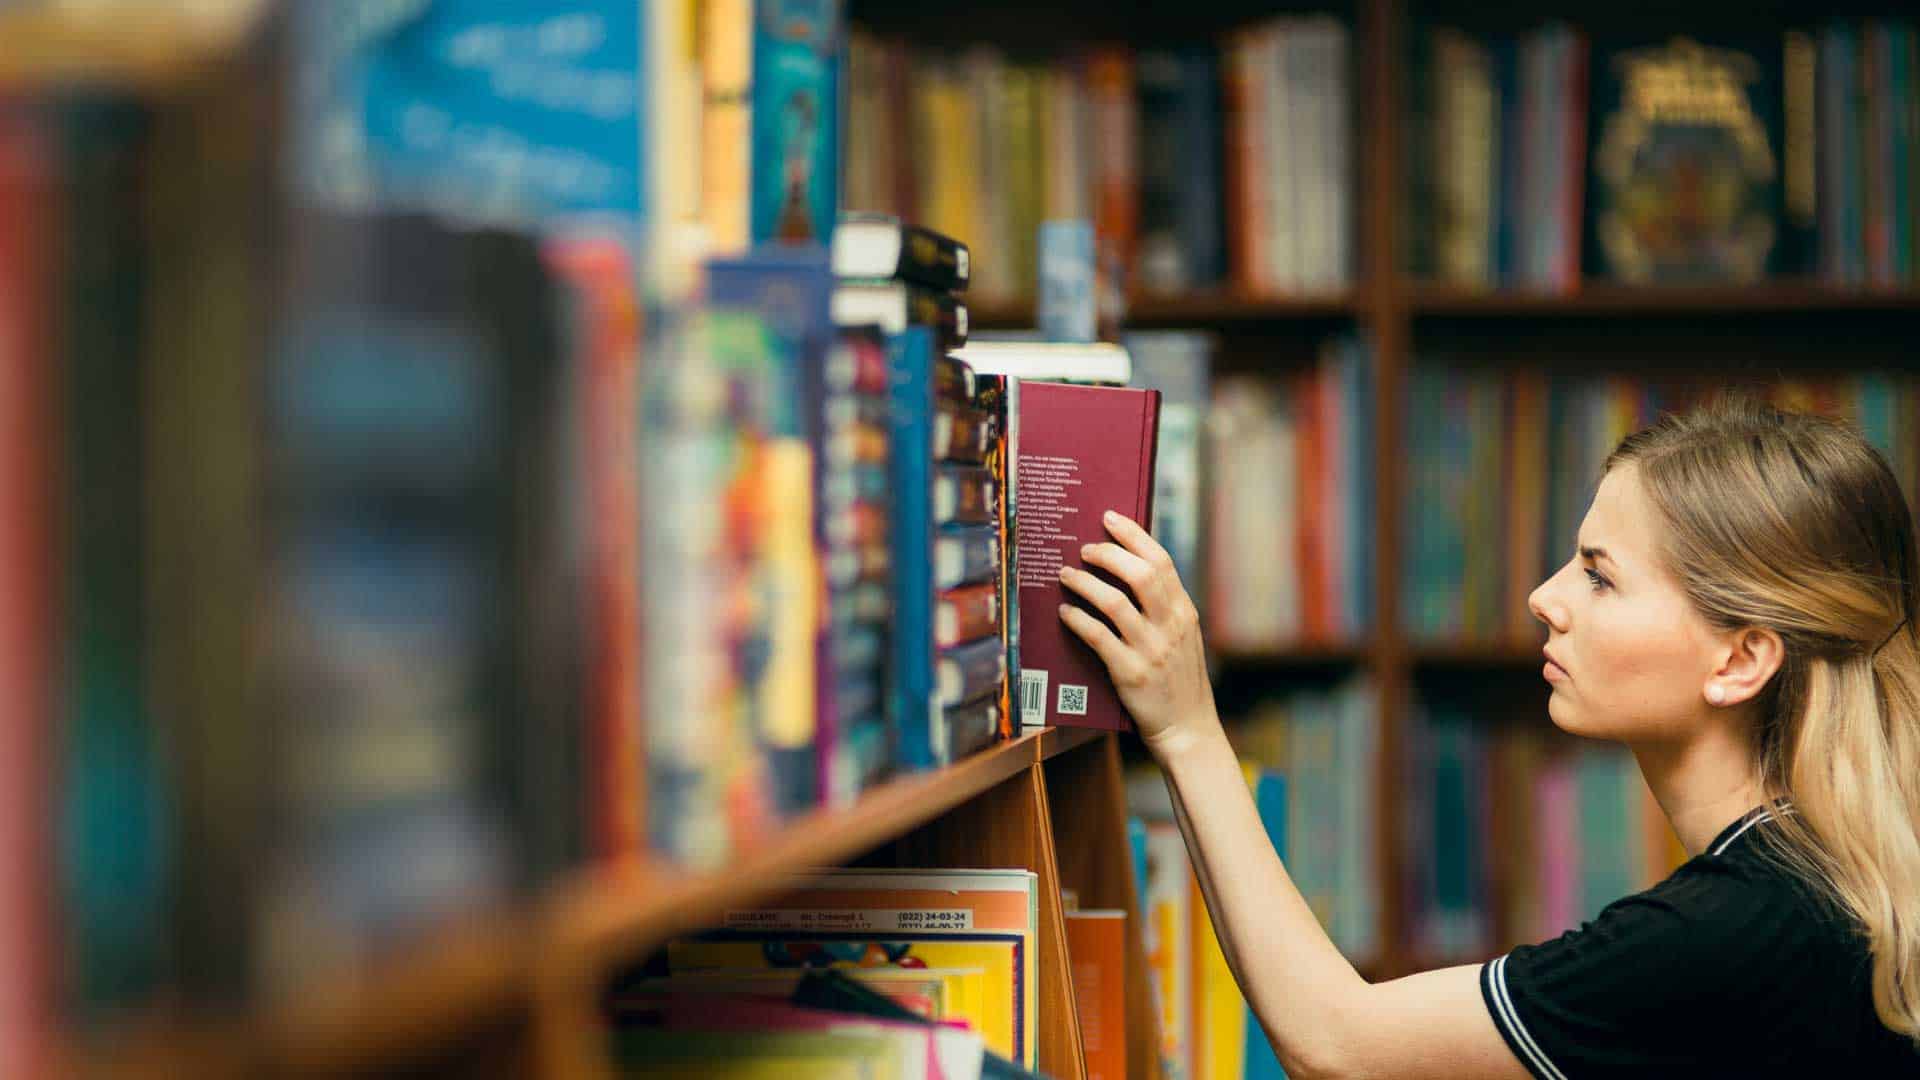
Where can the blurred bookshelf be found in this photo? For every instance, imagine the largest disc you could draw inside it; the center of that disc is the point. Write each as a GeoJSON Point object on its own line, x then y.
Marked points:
{"type": "Point", "coordinates": [517, 991]}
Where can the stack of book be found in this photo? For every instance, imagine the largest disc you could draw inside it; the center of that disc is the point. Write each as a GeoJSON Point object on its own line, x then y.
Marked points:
{"type": "Point", "coordinates": [855, 747]}
{"type": "Point", "coordinates": [1864, 109]}
{"type": "Point", "coordinates": [957, 948]}
{"type": "Point", "coordinates": [951, 645]}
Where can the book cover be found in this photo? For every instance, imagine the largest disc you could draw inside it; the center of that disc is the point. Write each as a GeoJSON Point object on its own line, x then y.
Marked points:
{"type": "Point", "coordinates": [919, 1049]}
{"type": "Point", "coordinates": [1005, 1021]}
{"type": "Point", "coordinates": [796, 120]}
{"type": "Point", "coordinates": [787, 292]}
{"type": "Point", "coordinates": [1078, 451]}
{"type": "Point", "coordinates": [1686, 159]}
{"type": "Point", "coordinates": [1097, 953]}
{"type": "Point", "coordinates": [468, 108]}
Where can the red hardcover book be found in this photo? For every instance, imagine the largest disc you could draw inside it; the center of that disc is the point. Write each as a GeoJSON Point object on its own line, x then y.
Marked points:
{"type": "Point", "coordinates": [1078, 451]}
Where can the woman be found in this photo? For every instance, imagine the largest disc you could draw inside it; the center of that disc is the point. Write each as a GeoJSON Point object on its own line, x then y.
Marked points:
{"type": "Point", "coordinates": [1738, 613]}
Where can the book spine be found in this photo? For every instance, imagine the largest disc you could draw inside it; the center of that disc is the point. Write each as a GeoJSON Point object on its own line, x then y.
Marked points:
{"type": "Point", "coordinates": [1240, 157]}
{"type": "Point", "coordinates": [967, 614]}
{"type": "Point", "coordinates": [913, 545]}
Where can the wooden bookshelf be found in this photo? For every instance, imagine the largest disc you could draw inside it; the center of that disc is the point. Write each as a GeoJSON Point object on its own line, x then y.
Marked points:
{"type": "Point", "coordinates": [521, 989]}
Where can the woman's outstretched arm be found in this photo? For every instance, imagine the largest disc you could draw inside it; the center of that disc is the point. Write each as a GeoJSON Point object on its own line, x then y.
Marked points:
{"type": "Point", "coordinates": [1321, 1016]}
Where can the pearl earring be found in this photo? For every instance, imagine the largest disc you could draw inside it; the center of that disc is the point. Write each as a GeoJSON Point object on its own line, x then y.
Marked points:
{"type": "Point", "coordinates": [1715, 694]}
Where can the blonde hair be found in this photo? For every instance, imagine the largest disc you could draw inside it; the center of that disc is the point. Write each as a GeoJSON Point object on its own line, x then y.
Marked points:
{"type": "Point", "coordinates": [1794, 522]}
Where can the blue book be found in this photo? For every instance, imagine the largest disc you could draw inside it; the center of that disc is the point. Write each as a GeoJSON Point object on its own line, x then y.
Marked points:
{"type": "Point", "coordinates": [796, 119]}
{"type": "Point", "coordinates": [488, 109]}
{"type": "Point", "coordinates": [913, 710]}
{"type": "Point", "coordinates": [1137, 851]}
{"type": "Point", "coordinates": [788, 291]}
{"type": "Point", "coordinates": [1270, 799]}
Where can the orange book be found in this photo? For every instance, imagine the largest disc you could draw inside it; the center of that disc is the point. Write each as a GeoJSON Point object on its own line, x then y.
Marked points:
{"type": "Point", "coordinates": [1116, 170]}
{"type": "Point", "coordinates": [1097, 952]}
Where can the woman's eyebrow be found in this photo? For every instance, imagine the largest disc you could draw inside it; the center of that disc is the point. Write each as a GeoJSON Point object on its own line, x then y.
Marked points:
{"type": "Point", "coordinates": [1595, 554]}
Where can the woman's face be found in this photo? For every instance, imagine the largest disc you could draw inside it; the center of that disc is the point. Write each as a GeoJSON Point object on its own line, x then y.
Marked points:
{"type": "Point", "coordinates": [1628, 657]}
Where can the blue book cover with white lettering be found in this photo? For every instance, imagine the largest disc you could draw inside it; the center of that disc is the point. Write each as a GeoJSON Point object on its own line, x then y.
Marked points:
{"type": "Point", "coordinates": [913, 712]}
{"type": "Point", "coordinates": [487, 109]}
{"type": "Point", "coordinates": [796, 119]}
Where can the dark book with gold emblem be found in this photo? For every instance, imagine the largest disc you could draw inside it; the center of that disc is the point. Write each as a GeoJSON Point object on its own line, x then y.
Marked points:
{"type": "Point", "coordinates": [1688, 160]}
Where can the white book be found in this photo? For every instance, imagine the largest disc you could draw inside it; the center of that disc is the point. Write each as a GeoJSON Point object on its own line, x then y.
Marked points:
{"type": "Point", "coordinates": [1052, 361]}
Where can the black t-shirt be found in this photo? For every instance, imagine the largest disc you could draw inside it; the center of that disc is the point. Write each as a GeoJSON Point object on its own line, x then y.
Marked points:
{"type": "Point", "coordinates": [1730, 967]}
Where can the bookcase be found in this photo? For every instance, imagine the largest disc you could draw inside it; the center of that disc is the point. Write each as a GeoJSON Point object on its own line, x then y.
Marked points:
{"type": "Point", "coordinates": [516, 994]}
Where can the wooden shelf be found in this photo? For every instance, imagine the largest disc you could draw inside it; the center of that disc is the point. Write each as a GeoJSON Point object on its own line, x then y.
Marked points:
{"type": "Point", "coordinates": [620, 912]}
{"type": "Point", "coordinates": [1194, 309]}
{"type": "Point", "coordinates": [144, 47]}
{"type": "Point", "coordinates": [1771, 297]}
{"type": "Point", "coordinates": [486, 972]}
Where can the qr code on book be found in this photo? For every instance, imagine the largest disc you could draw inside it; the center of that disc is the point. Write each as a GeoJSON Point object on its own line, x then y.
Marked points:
{"type": "Point", "coordinates": [1073, 700]}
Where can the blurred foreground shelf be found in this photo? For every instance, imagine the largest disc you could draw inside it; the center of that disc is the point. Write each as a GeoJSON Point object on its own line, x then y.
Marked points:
{"type": "Point", "coordinates": [124, 46]}
{"type": "Point", "coordinates": [461, 982]}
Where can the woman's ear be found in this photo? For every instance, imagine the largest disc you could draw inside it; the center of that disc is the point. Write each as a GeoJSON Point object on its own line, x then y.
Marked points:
{"type": "Point", "coordinates": [1754, 655]}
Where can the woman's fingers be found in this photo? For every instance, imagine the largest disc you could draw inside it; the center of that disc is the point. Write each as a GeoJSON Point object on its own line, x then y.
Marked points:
{"type": "Point", "coordinates": [1100, 638]}
{"type": "Point", "coordinates": [1141, 544]}
{"type": "Point", "coordinates": [1113, 603]}
{"type": "Point", "coordinates": [1132, 569]}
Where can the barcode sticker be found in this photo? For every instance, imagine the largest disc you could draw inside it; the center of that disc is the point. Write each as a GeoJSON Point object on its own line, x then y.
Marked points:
{"type": "Point", "coordinates": [1033, 696]}
{"type": "Point", "coordinates": [1073, 700]}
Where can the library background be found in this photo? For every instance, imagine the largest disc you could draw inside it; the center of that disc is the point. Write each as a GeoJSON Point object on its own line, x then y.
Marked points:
{"type": "Point", "coordinates": [492, 584]}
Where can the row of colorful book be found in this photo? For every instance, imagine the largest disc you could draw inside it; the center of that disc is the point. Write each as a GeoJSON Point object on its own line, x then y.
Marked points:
{"type": "Point", "coordinates": [1486, 449]}
{"type": "Point", "coordinates": [1866, 131]}
{"type": "Point", "coordinates": [1541, 156]}
{"type": "Point", "coordinates": [1512, 833]}
{"type": "Point", "coordinates": [1289, 504]}
{"type": "Point", "coordinates": [1207, 1030]}
{"type": "Point", "coordinates": [1199, 166]}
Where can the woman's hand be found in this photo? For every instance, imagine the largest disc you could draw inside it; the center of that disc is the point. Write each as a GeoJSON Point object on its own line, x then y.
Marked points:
{"type": "Point", "coordinates": [1157, 660]}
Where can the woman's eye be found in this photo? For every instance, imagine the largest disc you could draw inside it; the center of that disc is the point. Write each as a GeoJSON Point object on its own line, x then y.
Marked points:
{"type": "Point", "coordinates": [1598, 582]}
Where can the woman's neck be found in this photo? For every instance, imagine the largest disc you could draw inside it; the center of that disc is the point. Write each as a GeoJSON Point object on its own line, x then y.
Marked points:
{"type": "Point", "coordinates": [1703, 784]}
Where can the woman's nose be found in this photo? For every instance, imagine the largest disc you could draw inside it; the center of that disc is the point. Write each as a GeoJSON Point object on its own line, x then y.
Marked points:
{"type": "Point", "coordinates": [1545, 608]}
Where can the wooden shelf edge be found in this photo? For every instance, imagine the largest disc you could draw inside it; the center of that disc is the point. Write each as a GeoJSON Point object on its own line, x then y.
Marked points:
{"type": "Point", "coordinates": [140, 48]}
{"type": "Point", "coordinates": [1148, 311]}
{"type": "Point", "coordinates": [617, 912]}
{"type": "Point", "coordinates": [1424, 298]}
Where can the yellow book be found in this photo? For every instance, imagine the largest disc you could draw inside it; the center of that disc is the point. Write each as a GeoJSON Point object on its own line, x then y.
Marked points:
{"type": "Point", "coordinates": [1219, 1012]}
